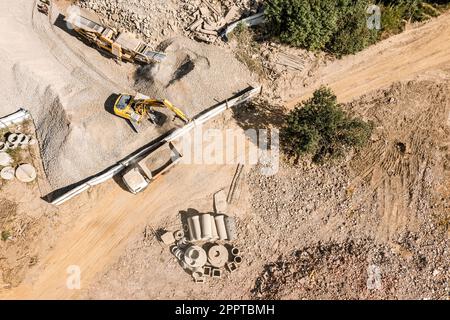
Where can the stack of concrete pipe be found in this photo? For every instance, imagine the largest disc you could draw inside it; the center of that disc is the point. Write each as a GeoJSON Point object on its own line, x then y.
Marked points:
{"type": "Point", "coordinates": [25, 172]}
{"type": "Point", "coordinates": [209, 227]}
{"type": "Point", "coordinates": [16, 140]}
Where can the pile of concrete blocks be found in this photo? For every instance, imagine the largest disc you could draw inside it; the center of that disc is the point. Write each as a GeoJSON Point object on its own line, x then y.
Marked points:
{"type": "Point", "coordinates": [24, 172]}
{"type": "Point", "coordinates": [209, 20]}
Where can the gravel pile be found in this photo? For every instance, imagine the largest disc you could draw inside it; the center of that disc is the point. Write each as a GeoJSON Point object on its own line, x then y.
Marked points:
{"type": "Point", "coordinates": [194, 76]}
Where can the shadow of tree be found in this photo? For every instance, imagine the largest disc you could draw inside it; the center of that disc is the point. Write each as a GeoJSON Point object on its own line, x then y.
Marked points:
{"type": "Point", "coordinates": [260, 114]}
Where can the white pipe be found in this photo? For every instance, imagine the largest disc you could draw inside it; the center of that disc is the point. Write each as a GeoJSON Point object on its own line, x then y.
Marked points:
{"type": "Point", "coordinates": [206, 226]}
{"type": "Point", "coordinates": [220, 225]}
{"type": "Point", "coordinates": [192, 235]}
{"type": "Point", "coordinates": [197, 227]}
{"type": "Point", "coordinates": [214, 235]}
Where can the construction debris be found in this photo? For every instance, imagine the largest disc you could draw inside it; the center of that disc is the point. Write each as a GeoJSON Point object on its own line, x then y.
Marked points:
{"type": "Point", "coordinates": [209, 21]}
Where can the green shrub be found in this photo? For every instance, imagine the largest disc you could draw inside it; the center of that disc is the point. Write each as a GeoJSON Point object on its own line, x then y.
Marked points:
{"type": "Point", "coordinates": [304, 23]}
{"type": "Point", "coordinates": [340, 26]}
{"type": "Point", "coordinates": [321, 128]}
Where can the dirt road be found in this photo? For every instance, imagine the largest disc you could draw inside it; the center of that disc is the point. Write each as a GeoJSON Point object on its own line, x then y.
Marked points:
{"type": "Point", "coordinates": [418, 54]}
{"type": "Point", "coordinates": [102, 231]}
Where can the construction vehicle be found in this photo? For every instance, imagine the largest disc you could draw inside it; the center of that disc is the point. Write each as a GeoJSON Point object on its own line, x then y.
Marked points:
{"type": "Point", "coordinates": [122, 45]}
{"type": "Point", "coordinates": [139, 176]}
{"type": "Point", "coordinates": [140, 107]}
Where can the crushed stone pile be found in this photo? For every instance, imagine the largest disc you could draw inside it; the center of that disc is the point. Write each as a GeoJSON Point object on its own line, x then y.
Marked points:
{"type": "Point", "coordinates": [194, 76]}
{"type": "Point", "coordinates": [157, 20]}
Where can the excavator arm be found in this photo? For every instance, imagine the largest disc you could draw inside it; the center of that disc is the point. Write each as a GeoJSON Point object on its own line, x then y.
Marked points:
{"type": "Point", "coordinates": [144, 106]}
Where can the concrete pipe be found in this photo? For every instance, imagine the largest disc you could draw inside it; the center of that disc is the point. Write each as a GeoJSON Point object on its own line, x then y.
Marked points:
{"type": "Point", "coordinates": [206, 226]}
{"type": "Point", "coordinates": [23, 139]}
{"type": "Point", "coordinates": [220, 225]}
{"type": "Point", "coordinates": [3, 146]}
{"type": "Point", "coordinates": [11, 145]}
{"type": "Point", "coordinates": [218, 256]}
{"type": "Point", "coordinates": [7, 173]}
{"type": "Point", "coordinates": [26, 173]}
{"type": "Point", "coordinates": [5, 159]}
{"type": "Point", "coordinates": [237, 259]}
{"type": "Point", "coordinates": [214, 235]}
{"type": "Point", "coordinates": [32, 141]}
{"type": "Point", "coordinates": [230, 226]}
{"type": "Point", "coordinates": [192, 235]}
{"type": "Point", "coordinates": [13, 138]}
{"type": "Point", "coordinates": [235, 251]}
{"type": "Point", "coordinates": [177, 252]}
{"type": "Point", "coordinates": [197, 227]}
{"type": "Point", "coordinates": [195, 257]}
{"type": "Point", "coordinates": [183, 243]}
{"type": "Point", "coordinates": [178, 235]}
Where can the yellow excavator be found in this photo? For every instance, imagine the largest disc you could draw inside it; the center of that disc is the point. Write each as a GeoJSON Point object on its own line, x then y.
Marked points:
{"type": "Point", "coordinates": [140, 107]}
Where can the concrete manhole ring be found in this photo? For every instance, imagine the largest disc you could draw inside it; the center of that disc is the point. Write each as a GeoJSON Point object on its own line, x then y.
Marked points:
{"type": "Point", "coordinates": [23, 139]}
{"type": "Point", "coordinates": [195, 257]}
{"type": "Point", "coordinates": [7, 173]}
{"type": "Point", "coordinates": [218, 256]}
{"type": "Point", "coordinates": [3, 146]}
{"type": "Point", "coordinates": [13, 138]}
{"type": "Point", "coordinates": [5, 159]}
{"type": "Point", "coordinates": [26, 172]}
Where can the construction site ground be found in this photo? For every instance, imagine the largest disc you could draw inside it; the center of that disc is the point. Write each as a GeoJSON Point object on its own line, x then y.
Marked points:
{"type": "Point", "coordinates": [307, 232]}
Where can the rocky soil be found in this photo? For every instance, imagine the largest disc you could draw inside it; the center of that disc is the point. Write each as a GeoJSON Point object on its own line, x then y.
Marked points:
{"type": "Point", "coordinates": [354, 229]}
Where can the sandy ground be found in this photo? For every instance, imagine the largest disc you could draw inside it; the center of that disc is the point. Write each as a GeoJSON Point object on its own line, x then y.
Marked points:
{"type": "Point", "coordinates": [416, 54]}
{"type": "Point", "coordinates": [107, 216]}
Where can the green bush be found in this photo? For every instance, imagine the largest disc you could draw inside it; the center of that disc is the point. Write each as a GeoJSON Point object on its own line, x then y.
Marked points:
{"type": "Point", "coordinates": [321, 128]}
{"type": "Point", "coordinates": [340, 26]}
{"type": "Point", "coordinates": [303, 23]}
{"type": "Point", "coordinates": [335, 25]}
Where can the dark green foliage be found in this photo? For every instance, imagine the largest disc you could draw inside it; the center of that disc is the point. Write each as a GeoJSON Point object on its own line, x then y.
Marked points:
{"type": "Point", "coordinates": [340, 26]}
{"type": "Point", "coordinates": [335, 25]}
{"type": "Point", "coordinates": [304, 23]}
{"type": "Point", "coordinates": [321, 128]}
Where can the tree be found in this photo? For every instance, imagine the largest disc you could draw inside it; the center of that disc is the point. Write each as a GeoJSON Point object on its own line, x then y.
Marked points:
{"type": "Point", "coordinates": [304, 23]}
{"type": "Point", "coordinates": [321, 128]}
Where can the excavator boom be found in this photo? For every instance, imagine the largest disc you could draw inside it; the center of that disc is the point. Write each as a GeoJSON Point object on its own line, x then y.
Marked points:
{"type": "Point", "coordinates": [139, 107]}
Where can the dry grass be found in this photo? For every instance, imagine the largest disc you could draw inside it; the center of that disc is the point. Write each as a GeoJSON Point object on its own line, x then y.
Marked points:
{"type": "Point", "coordinates": [247, 49]}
